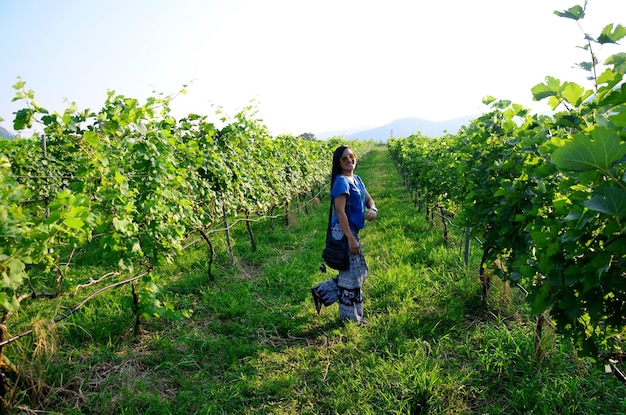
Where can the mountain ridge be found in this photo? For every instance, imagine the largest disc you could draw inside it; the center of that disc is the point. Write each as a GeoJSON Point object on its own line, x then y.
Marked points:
{"type": "Point", "coordinates": [4, 133]}
{"type": "Point", "coordinates": [402, 127]}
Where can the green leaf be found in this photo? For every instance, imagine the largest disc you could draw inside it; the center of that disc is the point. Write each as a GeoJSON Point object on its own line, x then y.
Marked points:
{"type": "Point", "coordinates": [615, 97]}
{"type": "Point", "coordinates": [91, 138]}
{"type": "Point", "coordinates": [19, 84]}
{"type": "Point", "coordinates": [609, 77]}
{"type": "Point", "coordinates": [136, 248]}
{"type": "Point", "coordinates": [550, 88]}
{"type": "Point", "coordinates": [542, 299]}
{"type": "Point", "coordinates": [618, 61]}
{"type": "Point", "coordinates": [15, 265]}
{"type": "Point", "coordinates": [611, 202]}
{"type": "Point", "coordinates": [8, 303]}
{"type": "Point", "coordinates": [575, 93]}
{"type": "Point", "coordinates": [599, 265]}
{"type": "Point", "coordinates": [49, 119]}
{"type": "Point", "coordinates": [554, 102]}
{"type": "Point", "coordinates": [13, 278]}
{"type": "Point", "coordinates": [585, 154]}
{"type": "Point", "coordinates": [73, 223]}
{"type": "Point", "coordinates": [619, 118]}
{"type": "Point", "coordinates": [23, 119]}
{"type": "Point", "coordinates": [612, 36]}
{"type": "Point", "coordinates": [120, 224]}
{"type": "Point", "coordinates": [575, 13]}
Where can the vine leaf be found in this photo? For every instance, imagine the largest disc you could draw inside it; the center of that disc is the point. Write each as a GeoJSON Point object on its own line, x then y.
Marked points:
{"type": "Point", "coordinates": [615, 97]}
{"type": "Point", "coordinates": [550, 88]}
{"type": "Point", "coordinates": [611, 202]}
{"type": "Point", "coordinates": [618, 61]}
{"type": "Point", "coordinates": [575, 13]}
{"type": "Point", "coordinates": [574, 93]}
{"type": "Point", "coordinates": [590, 153]}
{"type": "Point", "coordinates": [73, 223]}
{"type": "Point", "coordinates": [619, 118]}
{"type": "Point", "coordinates": [557, 91]}
{"type": "Point", "coordinates": [610, 35]}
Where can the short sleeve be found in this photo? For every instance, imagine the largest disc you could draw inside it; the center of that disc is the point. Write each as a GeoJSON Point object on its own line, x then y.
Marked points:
{"type": "Point", "coordinates": [340, 187]}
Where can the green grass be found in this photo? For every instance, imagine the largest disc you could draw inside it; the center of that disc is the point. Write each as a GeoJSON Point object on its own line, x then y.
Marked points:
{"type": "Point", "coordinates": [254, 344]}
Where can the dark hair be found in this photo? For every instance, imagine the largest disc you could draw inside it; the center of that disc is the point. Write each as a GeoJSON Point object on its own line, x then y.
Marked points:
{"type": "Point", "coordinates": [337, 170]}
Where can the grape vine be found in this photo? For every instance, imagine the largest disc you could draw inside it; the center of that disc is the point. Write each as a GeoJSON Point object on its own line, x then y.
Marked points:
{"type": "Point", "coordinates": [546, 194]}
{"type": "Point", "coordinates": [130, 185]}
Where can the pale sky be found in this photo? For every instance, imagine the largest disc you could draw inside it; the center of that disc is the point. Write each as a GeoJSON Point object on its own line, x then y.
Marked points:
{"type": "Point", "coordinates": [309, 66]}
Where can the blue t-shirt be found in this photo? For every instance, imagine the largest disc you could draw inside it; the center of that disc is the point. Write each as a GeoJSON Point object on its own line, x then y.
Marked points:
{"type": "Point", "coordinates": [356, 192]}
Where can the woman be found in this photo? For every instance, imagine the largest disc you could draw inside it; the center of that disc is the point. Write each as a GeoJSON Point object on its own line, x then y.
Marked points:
{"type": "Point", "coordinates": [347, 189]}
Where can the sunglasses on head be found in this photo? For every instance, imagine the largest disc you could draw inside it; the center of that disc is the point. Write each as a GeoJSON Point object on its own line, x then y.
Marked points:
{"type": "Point", "coordinates": [352, 157]}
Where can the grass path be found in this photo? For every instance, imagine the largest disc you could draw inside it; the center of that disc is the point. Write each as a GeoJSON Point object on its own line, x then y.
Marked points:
{"type": "Point", "coordinates": [256, 346]}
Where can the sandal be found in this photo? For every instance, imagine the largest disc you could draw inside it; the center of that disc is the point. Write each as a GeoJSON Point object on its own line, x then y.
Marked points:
{"type": "Point", "coordinates": [317, 299]}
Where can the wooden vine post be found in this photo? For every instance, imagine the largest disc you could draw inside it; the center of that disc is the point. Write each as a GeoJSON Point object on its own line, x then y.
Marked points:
{"type": "Point", "coordinates": [211, 255]}
{"type": "Point", "coordinates": [445, 225]}
{"type": "Point", "coordinates": [466, 250]}
{"type": "Point", "coordinates": [227, 230]}
{"type": "Point", "coordinates": [249, 227]}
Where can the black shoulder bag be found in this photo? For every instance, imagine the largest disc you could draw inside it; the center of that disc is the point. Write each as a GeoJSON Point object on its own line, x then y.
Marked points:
{"type": "Point", "coordinates": [336, 254]}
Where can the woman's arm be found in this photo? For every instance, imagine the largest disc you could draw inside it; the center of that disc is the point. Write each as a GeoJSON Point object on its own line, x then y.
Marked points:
{"type": "Point", "coordinates": [369, 203]}
{"type": "Point", "coordinates": [344, 223]}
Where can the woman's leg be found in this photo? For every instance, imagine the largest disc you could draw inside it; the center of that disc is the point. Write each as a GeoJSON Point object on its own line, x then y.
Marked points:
{"type": "Point", "coordinates": [327, 291]}
{"type": "Point", "coordinates": [350, 284]}
{"type": "Point", "coordinates": [345, 288]}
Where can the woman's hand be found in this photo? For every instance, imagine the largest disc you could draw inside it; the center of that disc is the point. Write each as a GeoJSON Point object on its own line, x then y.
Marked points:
{"type": "Point", "coordinates": [371, 215]}
{"type": "Point", "coordinates": [355, 248]}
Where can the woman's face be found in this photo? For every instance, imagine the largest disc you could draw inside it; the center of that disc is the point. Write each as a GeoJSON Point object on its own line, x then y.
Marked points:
{"type": "Point", "coordinates": [348, 161]}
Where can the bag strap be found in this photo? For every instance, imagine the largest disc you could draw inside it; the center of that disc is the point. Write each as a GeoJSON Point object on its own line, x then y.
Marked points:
{"type": "Point", "coordinates": [330, 218]}
{"type": "Point", "coordinates": [330, 211]}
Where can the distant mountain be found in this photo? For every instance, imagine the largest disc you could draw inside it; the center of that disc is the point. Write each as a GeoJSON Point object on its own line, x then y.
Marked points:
{"type": "Point", "coordinates": [407, 126]}
{"type": "Point", "coordinates": [4, 133]}
{"type": "Point", "coordinates": [340, 133]}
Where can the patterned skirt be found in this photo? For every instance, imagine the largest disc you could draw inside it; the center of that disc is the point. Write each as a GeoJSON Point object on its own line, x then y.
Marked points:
{"type": "Point", "coordinates": [346, 288]}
